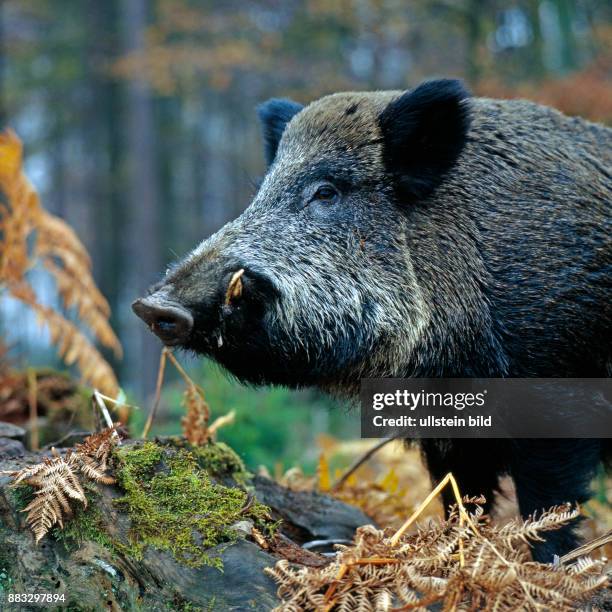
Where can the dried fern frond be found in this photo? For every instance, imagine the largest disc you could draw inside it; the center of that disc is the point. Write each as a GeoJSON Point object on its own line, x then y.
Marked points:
{"type": "Point", "coordinates": [72, 345]}
{"type": "Point", "coordinates": [57, 481]}
{"type": "Point", "coordinates": [31, 236]}
{"type": "Point", "coordinates": [92, 455]}
{"type": "Point", "coordinates": [530, 529]}
{"type": "Point", "coordinates": [378, 573]}
{"type": "Point", "coordinates": [195, 422]}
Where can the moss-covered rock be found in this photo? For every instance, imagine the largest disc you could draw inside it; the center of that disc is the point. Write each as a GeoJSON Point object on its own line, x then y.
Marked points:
{"type": "Point", "coordinates": [86, 525]}
{"type": "Point", "coordinates": [221, 461]}
{"type": "Point", "coordinates": [174, 503]}
{"type": "Point", "coordinates": [155, 540]}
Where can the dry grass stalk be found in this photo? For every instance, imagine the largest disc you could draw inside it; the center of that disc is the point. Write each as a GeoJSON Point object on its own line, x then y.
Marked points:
{"type": "Point", "coordinates": [360, 461]}
{"type": "Point", "coordinates": [411, 572]}
{"type": "Point", "coordinates": [195, 423]}
{"type": "Point", "coordinates": [57, 481]}
{"type": "Point", "coordinates": [158, 389]}
{"type": "Point", "coordinates": [59, 251]}
{"type": "Point", "coordinates": [588, 548]}
{"type": "Point", "coordinates": [33, 406]}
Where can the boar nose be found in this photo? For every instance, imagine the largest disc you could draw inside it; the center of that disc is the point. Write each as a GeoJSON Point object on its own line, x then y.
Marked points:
{"type": "Point", "coordinates": [169, 321]}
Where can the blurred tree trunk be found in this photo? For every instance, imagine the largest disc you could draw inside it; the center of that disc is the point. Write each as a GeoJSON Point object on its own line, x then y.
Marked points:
{"type": "Point", "coordinates": [536, 60]}
{"type": "Point", "coordinates": [105, 142]}
{"type": "Point", "coordinates": [473, 24]}
{"type": "Point", "coordinates": [142, 256]}
{"type": "Point", "coordinates": [565, 10]}
{"type": "Point", "coordinates": [218, 172]}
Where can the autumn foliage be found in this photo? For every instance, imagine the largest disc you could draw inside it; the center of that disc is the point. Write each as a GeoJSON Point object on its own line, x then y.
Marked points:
{"type": "Point", "coordinates": [58, 481]}
{"type": "Point", "coordinates": [32, 237]}
{"type": "Point", "coordinates": [587, 93]}
{"type": "Point", "coordinates": [493, 571]}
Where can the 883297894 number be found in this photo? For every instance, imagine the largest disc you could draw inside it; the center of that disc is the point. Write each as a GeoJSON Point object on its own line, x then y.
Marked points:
{"type": "Point", "coordinates": [35, 598]}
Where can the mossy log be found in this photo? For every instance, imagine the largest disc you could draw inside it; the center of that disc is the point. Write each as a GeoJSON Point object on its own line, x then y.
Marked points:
{"type": "Point", "coordinates": [174, 533]}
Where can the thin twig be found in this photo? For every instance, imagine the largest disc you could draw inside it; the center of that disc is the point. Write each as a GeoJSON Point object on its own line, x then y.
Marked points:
{"type": "Point", "coordinates": [117, 402]}
{"type": "Point", "coordinates": [360, 462]}
{"type": "Point", "coordinates": [105, 413]}
{"type": "Point", "coordinates": [248, 503]}
{"type": "Point", "coordinates": [463, 514]}
{"type": "Point", "coordinates": [181, 370]}
{"type": "Point", "coordinates": [464, 517]}
{"type": "Point", "coordinates": [331, 589]}
{"type": "Point", "coordinates": [158, 386]}
{"type": "Point", "coordinates": [33, 404]}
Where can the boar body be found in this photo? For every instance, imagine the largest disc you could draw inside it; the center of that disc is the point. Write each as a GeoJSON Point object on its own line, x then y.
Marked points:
{"type": "Point", "coordinates": [423, 234]}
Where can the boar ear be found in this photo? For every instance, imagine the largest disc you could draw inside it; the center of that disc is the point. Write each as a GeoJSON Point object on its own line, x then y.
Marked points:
{"type": "Point", "coordinates": [424, 131]}
{"type": "Point", "coordinates": [274, 115]}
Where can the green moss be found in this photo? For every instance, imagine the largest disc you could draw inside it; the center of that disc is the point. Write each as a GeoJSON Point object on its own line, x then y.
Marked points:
{"type": "Point", "coordinates": [87, 524]}
{"type": "Point", "coordinates": [20, 496]}
{"type": "Point", "coordinates": [174, 505]}
{"type": "Point", "coordinates": [8, 559]}
{"type": "Point", "coordinates": [6, 582]}
{"type": "Point", "coordinates": [220, 460]}
{"type": "Point", "coordinates": [180, 604]}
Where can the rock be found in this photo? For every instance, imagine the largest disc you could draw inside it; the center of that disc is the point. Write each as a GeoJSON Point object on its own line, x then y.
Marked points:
{"type": "Point", "coordinates": [242, 585]}
{"type": "Point", "coordinates": [8, 430]}
{"type": "Point", "coordinates": [244, 528]}
{"type": "Point", "coordinates": [11, 448]}
{"type": "Point", "coordinates": [312, 516]}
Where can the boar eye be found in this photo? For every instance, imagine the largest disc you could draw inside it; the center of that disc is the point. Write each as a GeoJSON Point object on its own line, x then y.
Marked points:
{"type": "Point", "coordinates": [327, 194]}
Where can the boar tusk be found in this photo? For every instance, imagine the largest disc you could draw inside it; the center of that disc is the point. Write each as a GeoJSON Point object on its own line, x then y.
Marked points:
{"type": "Point", "coordinates": [234, 289]}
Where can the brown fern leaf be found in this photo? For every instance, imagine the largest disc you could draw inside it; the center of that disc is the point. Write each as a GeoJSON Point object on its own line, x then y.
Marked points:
{"type": "Point", "coordinates": [195, 422]}
{"type": "Point", "coordinates": [83, 295]}
{"type": "Point", "coordinates": [57, 481]}
{"type": "Point", "coordinates": [92, 455]}
{"type": "Point", "coordinates": [72, 345]}
{"type": "Point", "coordinates": [424, 568]}
{"type": "Point", "coordinates": [530, 529]}
{"type": "Point", "coordinates": [57, 248]}
{"type": "Point", "coordinates": [19, 211]}
{"type": "Point", "coordinates": [57, 239]}
{"type": "Point", "coordinates": [93, 471]}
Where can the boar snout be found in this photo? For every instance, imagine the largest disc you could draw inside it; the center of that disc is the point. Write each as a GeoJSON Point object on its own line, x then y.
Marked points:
{"type": "Point", "coordinates": [193, 310]}
{"type": "Point", "coordinates": [169, 321]}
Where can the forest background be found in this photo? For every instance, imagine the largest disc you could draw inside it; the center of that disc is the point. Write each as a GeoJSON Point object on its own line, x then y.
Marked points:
{"type": "Point", "coordinates": [138, 124]}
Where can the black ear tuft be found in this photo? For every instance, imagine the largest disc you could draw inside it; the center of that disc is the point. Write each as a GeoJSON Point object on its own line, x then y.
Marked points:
{"type": "Point", "coordinates": [424, 131]}
{"type": "Point", "coordinates": [274, 115]}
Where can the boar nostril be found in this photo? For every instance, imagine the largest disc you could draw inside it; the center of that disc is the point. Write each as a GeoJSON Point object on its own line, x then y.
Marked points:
{"type": "Point", "coordinates": [169, 321]}
{"type": "Point", "coordinates": [165, 325]}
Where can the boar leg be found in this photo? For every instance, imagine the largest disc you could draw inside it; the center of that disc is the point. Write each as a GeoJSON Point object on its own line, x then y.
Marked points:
{"type": "Point", "coordinates": [551, 472]}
